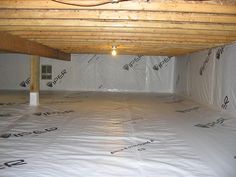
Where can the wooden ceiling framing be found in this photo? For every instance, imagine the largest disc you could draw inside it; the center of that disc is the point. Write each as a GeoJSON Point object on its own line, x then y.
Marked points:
{"type": "Point", "coordinates": [144, 27]}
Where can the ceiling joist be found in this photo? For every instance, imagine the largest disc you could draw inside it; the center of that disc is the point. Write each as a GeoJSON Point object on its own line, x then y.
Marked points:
{"type": "Point", "coordinates": [119, 15]}
{"type": "Point", "coordinates": [151, 31]}
{"type": "Point", "coordinates": [156, 27]}
{"type": "Point", "coordinates": [211, 6]}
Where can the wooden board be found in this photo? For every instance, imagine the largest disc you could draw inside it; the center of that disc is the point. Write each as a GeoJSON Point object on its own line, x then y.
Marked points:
{"type": "Point", "coordinates": [15, 44]}
{"type": "Point", "coordinates": [157, 27]}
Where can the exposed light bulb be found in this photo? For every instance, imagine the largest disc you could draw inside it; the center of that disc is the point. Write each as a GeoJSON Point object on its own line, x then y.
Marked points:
{"type": "Point", "coordinates": [114, 53]}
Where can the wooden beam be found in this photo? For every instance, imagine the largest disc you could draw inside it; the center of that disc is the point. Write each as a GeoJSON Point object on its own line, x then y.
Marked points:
{"type": "Point", "coordinates": [108, 35]}
{"type": "Point", "coordinates": [147, 49]}
{"type": "Point", "coordinates": [150, 52]}
{"type": "Point", "coordinates": [34, 73]}
{"type": "Point", "coordinates": [160, 33]}
{"type": "Point", "coordinates": [202, 32]}
{"type": "Point", "coordinates": [16, 44]}
{"type": "Point", "coordinates": [155, 27]}
{"type": "Point", "coordinates": [177, 6]}
{"type": "Point", "coordinates": [119, 15]}
{"type": "Point", "coordinates": [134, 49]}
{"type": "Point", "coordinates": [175, 38]}
{"type": "Point", "coordinates": [135, 45]}
{"type": "Point", "coordinates": [123, 24]}
{"type": "Point", "coordinates": [120, 41]}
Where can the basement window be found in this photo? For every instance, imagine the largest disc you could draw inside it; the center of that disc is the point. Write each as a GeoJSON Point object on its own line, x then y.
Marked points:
{"type": "Point", "coordinates": [46, 72]}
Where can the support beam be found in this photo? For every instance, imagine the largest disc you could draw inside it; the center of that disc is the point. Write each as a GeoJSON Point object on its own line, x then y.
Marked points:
{"type": "Point", "coordinates": [34, 80]}
{"type": "Point", "coordinates": [16, 44]}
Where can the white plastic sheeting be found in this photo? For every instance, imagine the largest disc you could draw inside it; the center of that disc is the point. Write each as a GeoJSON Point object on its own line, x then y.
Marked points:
{"type": "Point", "coordinates": [93, 73]}
{"type": "Point", "coordinates": [14, 69]}
{"type": "Point", "coordinates": [181, 75]}
{"type": "Point", "coordinates": [210, 77]}
{"type": "Point", "coordinates": [113, 135]}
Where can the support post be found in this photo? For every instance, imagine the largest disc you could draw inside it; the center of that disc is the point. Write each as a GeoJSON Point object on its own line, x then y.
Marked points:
{"type": "Point", "coordinates": [34, 80]}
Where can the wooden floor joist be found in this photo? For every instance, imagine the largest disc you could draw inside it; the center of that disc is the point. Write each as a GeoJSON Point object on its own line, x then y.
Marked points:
{"type": "Point", "coordinates": [211, 6]}
{"type": "Point", "coordinates": [202, 32]}
{"type": "Point", "coordinates": [167, 34]}
{"type": "Point", "coordinates": [119, 15]}
{"type": "Point", "coordinates": [114, 38]}
{"type": "Point", "coordinates": [121, 24]}
{"type": "Point", "coordinates": [157, 27]}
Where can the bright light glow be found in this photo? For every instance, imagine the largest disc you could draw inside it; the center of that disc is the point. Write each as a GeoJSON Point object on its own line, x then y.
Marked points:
{"type": "Point", "coordinates": [113, 52]}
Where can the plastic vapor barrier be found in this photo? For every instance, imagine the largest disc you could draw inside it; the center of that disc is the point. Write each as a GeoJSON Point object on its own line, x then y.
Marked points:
{"type": "Point", "coordinates": [209, 77]}
{"type": "Point", "coordinates": [93, 73]}
{"type": "Point", "coordinates": [114, 135]}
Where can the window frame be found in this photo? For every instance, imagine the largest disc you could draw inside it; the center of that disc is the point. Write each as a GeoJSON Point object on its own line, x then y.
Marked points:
{"type": "Point", "coordinates": [46, 72]}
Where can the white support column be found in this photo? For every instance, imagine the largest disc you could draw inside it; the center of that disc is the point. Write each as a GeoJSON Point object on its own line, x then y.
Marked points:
{"type": "Point", "coordinates": [34, 80]}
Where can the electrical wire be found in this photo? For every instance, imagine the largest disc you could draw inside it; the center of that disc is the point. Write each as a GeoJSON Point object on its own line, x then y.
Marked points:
{"type": "Point", "coordinates": [90, 5]}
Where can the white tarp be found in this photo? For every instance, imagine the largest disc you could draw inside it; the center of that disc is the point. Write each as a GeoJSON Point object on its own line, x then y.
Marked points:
{"type": "Point", "coordinates": [113, 135]}
{"type": "Point", "coordinates": [210, 77]}
{"type": "Point", "coordinates": [93, 73]}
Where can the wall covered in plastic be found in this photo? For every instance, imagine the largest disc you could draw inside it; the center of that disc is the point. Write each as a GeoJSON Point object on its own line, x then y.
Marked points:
{"type": "Point", "coordinates": [14, 69]}
{"type": "Point", "coordinates": [209, 77]}
{"type": "Point", "coordinates": [93, 73]}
